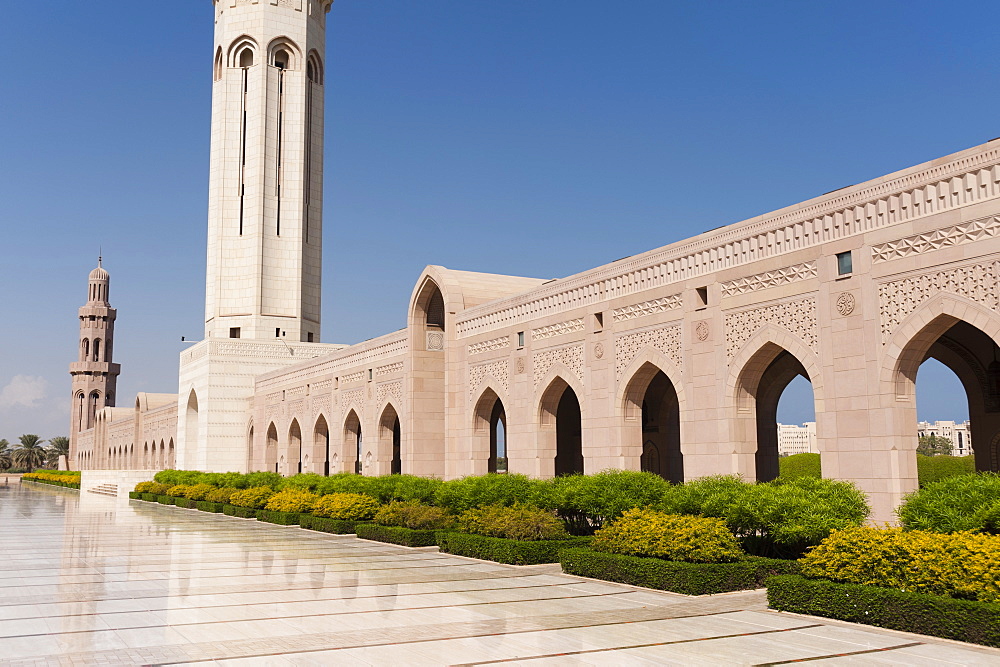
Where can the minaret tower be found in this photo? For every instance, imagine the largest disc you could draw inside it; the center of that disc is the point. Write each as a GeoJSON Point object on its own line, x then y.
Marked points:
{"type": "Point", "coordinates": [94, 374]}
{"type": "Point", "coordinates": [266, 178]}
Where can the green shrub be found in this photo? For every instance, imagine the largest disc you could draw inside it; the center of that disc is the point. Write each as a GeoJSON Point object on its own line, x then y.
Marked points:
{"type": "Point", "coordinates": [516, 522]}
{"type": "Point", "coordinates": [208, 506]}
{"type": "Point", "coordinates": [388, 488]}
{"type": "Point", "coordinates": [254, 497]}
{"type": "Point", "coordinates": [932, 469]}
{"type": "Point", "coordinates": [303, 481]}
{"type": "Point", "coordinates": [242, 512]}
{"type": "Point", "coordinates": [178, 491]}
{"type": "Point", "coordinates": [280, 518]}
{"type": "Point", "coordinates": [326, 525]}
{"type": "Point", "coordinates": [134, 495]}
{"type": "Point", "coordinates": [165, 500]}
{"type": "Point", "coordinates": [159, 489]}
{"type": "Point", "coordinates": [220, 495]}
{"type": "Point", "coordinates": [291, 500]}
{"type": "Point", "coordinates": [679, 577]}
{"type": "Point", "coordinates": [396, 535]}
{"type": "Point", "coordinates": [350, 506]}
{"type": "Point", "coordinates": [178, 477]}
{"type": "Point", "coordinates": [460, 495]}
{"type": "Point", "coordinates": [346, 483]}
{"type": "Point", "coordinates": [989, 517]}
{"type": "Point", "coordinates": [145, 487]}
{"type": "Point", "coordinates": [413, 515]}
{"type": "Point", "coordinates": [261, 478]}
{"type": "Point", "coordinates": [799, 465]}
{"type": "Point", "coordinates": [502, 550]}
{"type": "Point", "coordinates": [586, 502]}
{"type": "Point", "coordinates": [959, 565]}
{"type": "Point", "coordinates": [149, 497]}
{"type": "Point", "coordinates": [198, 491]}
{"type": "Point", "coordinates": [962, 620]}
{"type": "Point", "coordinates": [185, 503]}
{"type": "Point", "coordinates": [951, 504]}
{"type": "Point", "coordinates": [695, 539]}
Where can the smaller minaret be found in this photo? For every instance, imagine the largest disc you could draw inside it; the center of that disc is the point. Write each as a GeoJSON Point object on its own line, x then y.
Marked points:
{"type": "Point", "coordinates": [94, 375]}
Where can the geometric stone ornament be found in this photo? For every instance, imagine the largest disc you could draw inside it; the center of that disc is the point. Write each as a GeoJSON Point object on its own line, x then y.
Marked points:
{"type": "Point", "coordinates": [966, 232]}
{"type": "Point", "coordinates": [798, 317]}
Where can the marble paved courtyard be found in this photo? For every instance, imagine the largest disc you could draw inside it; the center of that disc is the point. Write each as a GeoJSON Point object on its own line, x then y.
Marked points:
{"type": "Point", "coordinates": [94, 580]}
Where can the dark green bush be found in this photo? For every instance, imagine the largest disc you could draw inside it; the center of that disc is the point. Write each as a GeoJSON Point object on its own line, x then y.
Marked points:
{"type": "Point", "coordinates": [952, 504]}
{"type": "Point", "coordinates": [280, 518]}
{"type": "Point", "coordinates": [323, 524]}
{"type": "Point", "coordinates": [500, 550]}
{"type": "Point", "coordinates": [935, 615]}
{"type": "Point", "coordinates": [799, 465]}
{"type": "Point", "coordinates": [149, 497]}
{"type": "Point", "coordinates": [413, 515]}
{"type": "Point", "coordinates": [666, 575]}
{"type": "Point", "coordinates": [459, 495]}
{"type": "Point", "coordinates": [254, 479]}
{"type": "Point", "coordinates": [134, 495]}
{"type": "Point", "coordinates": [209, 506]}
{"type": "Point", "coordinates": [396, 535]}
{"type": "Point", "coordinates": [516, 522]}
{"type": "Point", "coordinates": [304, 481]}
{"type": "Point", "coordinates": [345, 482]}
{"type": "Point", "coordinates": [178, 477]}
{"type": "Point", "coordinates": [586, 502]}
{"type": "Point", "coordinates": [932, 469]}
{"type": "Point", "coordinates": [185, 503]}
{"type": "Point", "coordinates": [388, 488]}
{"type": "Point", "coordinates": [242, 512]}
{"type": "Point", "coordinates": [165, 500]}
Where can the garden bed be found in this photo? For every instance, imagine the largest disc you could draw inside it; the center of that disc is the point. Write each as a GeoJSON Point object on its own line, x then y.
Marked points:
{"type": "Point", "coordinates": [149, 497]}
{"type": "Point", "coordinates": [165, 500]}
{"type": "Point", "coordinates": [675, 576]}
{"type": "Point", "coordinates": [241, 512]}
{"type": "Point", "coordinates": [935, 615]}
{"type": "Point", "coordinates": [280, 518]}
{"type": "Point", "coordinates": [326, 525]}
{"type": "Point", "coordinates": [185, 503]}
{"type": "Point", "coordinates": [206, 506]}
{"type": "Point", "coordinates": [501, 550]}
{"type": "Point", "coordinates": [406, 537]}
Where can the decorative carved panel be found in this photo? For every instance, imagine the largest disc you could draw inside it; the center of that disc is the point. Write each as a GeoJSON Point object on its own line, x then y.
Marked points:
{"type": "Point", "coordinates": [558, 329]}
{"type": "Point", "coordinates": [652, 307]}
{"type": "Point", "coordinates": [353, 377]}
{"type": "Point", "coordinates": [499, 369]}
{"type": "Point", "coordinates": [389, 369]}
{"type": "Point", "coordinates": [355, 398]}
{"type": "Point", "coordinates": [571, 357]}
{"type": "Point", "coordinates": [798, 317]}
{"type": "Point", "coordinates": [966, 232]}
{"type": "Point", "coordinates": [390, 389]}
{"type": "Point", "coordinates": [789, 274]}
{"type": "Point", "coordinates": [665, 339]}
{"type": "Point", "coordinates": [491, 345]}
{"type": "Point", "coordinates": [435, 341]}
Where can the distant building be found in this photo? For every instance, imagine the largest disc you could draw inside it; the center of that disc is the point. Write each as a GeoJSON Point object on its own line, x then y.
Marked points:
{"type": "Point", "coordinates": [957, 432]}
{"type": "Point", "coordinates": [794, 439]}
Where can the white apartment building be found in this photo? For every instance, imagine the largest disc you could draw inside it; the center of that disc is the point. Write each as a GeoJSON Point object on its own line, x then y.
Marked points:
{"type": "Point", "coordinates": [957, 432]}
{"type": "Point", "coordinates": [794, 439]}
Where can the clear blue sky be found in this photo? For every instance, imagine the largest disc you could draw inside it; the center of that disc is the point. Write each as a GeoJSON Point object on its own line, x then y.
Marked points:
{"type": "Point", "coordinates": [536, 138]}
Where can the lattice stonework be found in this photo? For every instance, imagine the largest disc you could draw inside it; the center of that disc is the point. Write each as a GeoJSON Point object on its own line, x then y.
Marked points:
{"type": "Point", "coordinates": [491, 345]}
{"type": "Point", "coordinates": [665, 339]}
{"type": "Point", "coordinates": [798, 317]}
{"type": "Point", "coordinates": [899, 298]}
{"type": "Point", "coordinates": [662, 305]}
{"type": "Point", "coordinates": [789, 274]}
{"type": "Point", "coordinates": [389, 369]}
{"type": "Point", "coordinates": [967, 232]}
{"type": "Point", "coordinates": [499, 369]}
{"type": "Point", "coordinates": [355, 398]}
{"type": "Point", "coordinates": [353, 377]}
{"type": "Point", "coordinates": [386, 389]}
{"type": "Point", "coordinates": [571, 357]}
{"type": "Point", "coordinates": [558, 329]}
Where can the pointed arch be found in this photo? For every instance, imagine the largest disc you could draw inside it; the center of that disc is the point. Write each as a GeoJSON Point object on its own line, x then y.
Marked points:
{"type": "Point", "coordinates": [561, 424]}
{"type": "Point", "coordinates": [192, 422]}
{"type": "Point", "coordinates": [294, 453]}
{"type": "Point", "coordinates": [650, 408]}
{"type": "Point", "coordinates": [314, 67]}
{"type": "Point", "coordinates": [171, 460]}
{"type": "Point", "coordinates": [353, 441]}
{"type": "Point", "coordinates": [284, 54]}
{"type": "Point", "coordinates": [489, 430]}
{"type": "Point", "coordinates": [271, 449]}
{"type": "Point", "coordinates": [321, 444]}
{"type": "Point", "coordinates": [390, 439]}
{"type": "Point", "coordinates": [242, 52]}
{"type": "Point", "coordinates": [85, 349]}
{"type": "Point", "coordinates": [217, 65]}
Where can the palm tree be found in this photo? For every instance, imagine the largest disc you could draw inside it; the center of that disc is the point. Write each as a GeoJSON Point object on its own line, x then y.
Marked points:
{"type": "Point", "coordinates": [5, 455]}
{"type": "Point", "coordinates": [29, 454]}
{"type": "Point", "coordinates": [58, 446]}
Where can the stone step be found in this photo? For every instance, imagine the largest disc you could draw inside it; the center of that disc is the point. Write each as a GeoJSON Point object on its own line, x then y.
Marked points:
{"type": "Point", "coordinates": [105, 490]}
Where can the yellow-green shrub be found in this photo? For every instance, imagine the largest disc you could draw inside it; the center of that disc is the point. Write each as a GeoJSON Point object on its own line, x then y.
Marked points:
{"type": "Point", "coordinates": [413, 515]}
{"type": "Point", "coordinates": [54, 476]}
{"type": "Point", "coordinates": [291, 500]}
{"type": "Point", "coordinates": [347, 506]}
{"type": "Point", "coordinates": [178, 491]}
{"type": "Point", "coordinates": [159, 489]}
{"type": "Point", "coordinates": [255, 497]}
{"type": "Point", "coordinates": [960, 565]}
{"type": "Point", "coordinates": [645, 532]}
{"type": "Point", "coordinates": [517, 522]}
{"type": "Point", "coordinates": [198, 491]}
{"type": "Point", "coordinates": [221, 495]}
{"type": "Point", "coordinates": [145, 487]}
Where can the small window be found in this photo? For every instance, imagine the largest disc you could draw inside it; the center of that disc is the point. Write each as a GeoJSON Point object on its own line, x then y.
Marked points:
{"type": "Point", "coordinates": [369, 375]}
{"type": "Point", "coordinates": [281, 59]}
{"type": "Point", "coordinates": [277, 332]}
{"type": "Point", "coordinates": [520, 339]}
{"type": "Point", "coordinates": [234, 332]}
{"type": "Point", "coordinates": [701, 294]}
{"type": "Point", "coordinates": [598, 321]}
{"type": "Point", "coordinates": [845, 264]}
{"type": "Point", "coordinates": [309, 337]}
{"type": "Point", "coordinates": [246, 57]}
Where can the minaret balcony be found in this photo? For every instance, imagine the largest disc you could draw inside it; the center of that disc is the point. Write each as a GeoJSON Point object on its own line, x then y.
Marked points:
{"type": "Point", "coordinates": [94, 367]}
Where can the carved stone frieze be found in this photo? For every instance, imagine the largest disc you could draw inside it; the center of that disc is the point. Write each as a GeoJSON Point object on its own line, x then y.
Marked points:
{"type": "Point", "coordinates": [491, 345]}
{"type": "Point", "coordinates": [664, 339]}
{"type": "Point", "coordinates": [499, 369]}
{"type": "Point", "coordinates": [966, 232]}
{"type": "Point", "coordinates": [898, 298]}
{"type": "Point", "coordinates": [558, 329]}
{"type": "Point", "coordinates": [355, 398]}
{"type": "Point", "coordinates": [389, 369]}
{"type": "Point", "coordinates": [353, 377]}
{"type": "Point", "coordinates": [797, 316]}
{"type": "Point", "coordinates": [759, 281]}
{"type": "Point", "coordinates": [571, 357]}
{"type": "Point", "coordinates": [321, 386]}
{"type": "Point", "coordinates": [389, 389]}
{"type": "Point", "coordinates": [651, 307]}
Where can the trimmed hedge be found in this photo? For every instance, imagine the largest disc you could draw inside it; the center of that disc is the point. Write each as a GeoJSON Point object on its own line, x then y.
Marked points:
{"type": "Point", "coordinates": [149, 497]}
{"type": "Point", "coordinates": [241, 512]}
{"type": "Point", "coordinates": [935, 615]}
{"type": "Point", "coordinates": [165, 500]}
{"type": "Point", "coordinates": [134, 495]}
{"type": "Point", "coordinates": [396, 535]}
{"type": "Point", "coordinates": [280, 518]}
{"type": "Point", "coordinates": [207, 506]}
{"type": "Point", "coordinates": [502, 550]}
{"type": "Point", "coordinates": [326, 525]}
{"type": "Point", "coordinates": [675, 576]}
{"type": "Point", "coordinates": [185, 503]}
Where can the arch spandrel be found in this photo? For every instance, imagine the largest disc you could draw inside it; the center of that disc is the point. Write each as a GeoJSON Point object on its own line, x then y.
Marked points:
{"type": "Point", "coordinates": [648, 356]}
{"type": "Point", "coordinates": [544, 393]}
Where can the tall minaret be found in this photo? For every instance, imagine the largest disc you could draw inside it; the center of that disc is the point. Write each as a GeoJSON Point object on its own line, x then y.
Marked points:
{"type": "Point", "coordinates": [94, 375]}
{"type": "Point", "coordinates": [266, 177]}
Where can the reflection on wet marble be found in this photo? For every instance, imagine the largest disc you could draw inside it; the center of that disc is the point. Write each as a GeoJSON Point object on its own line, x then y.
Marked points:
{"type": "Point", "coordinates": [94, 580]}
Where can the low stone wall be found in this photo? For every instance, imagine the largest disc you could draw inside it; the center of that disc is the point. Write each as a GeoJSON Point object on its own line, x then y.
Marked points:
{"type": "Point", "coordinates": [125, 480]}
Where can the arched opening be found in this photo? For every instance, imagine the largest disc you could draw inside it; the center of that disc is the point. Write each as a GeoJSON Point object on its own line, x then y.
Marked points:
{"type": "Point", "coordinates": [569, 435]}
{"type": "Point", "coordinates": [171, 462]}
{"type": "Point", "coordinates": [246, 58]}
{"type": "Point", "coordinates": [429, 312]}
{"type": "Point", "coordinates": [949, 344]}
{"type": "Point", "coordinates": [145, 456]}
{"type": "Point", "coordinates": [389, 439]}
{"type": "Point", "coordinates": [314, 68]}
{"type": "Point", "coordinates": [250, 449]}
{"type": "Point", "coordinates": [95, 399]}
{"type": "Point", "coordinates": [294, 447]}
{"type": "Point", "coordinates": [217, 69]}
{"type": "Point", "coordinates": [653, 424]}
{"type": "Point", "coordinates": [97, 349]}
{"type": "Point", "coordinates": [81, 411]}
{"type": "Point", "coordinates": [490, 432]}
{"type": "Point", "coordinates": [85, 349]}
{"type": "Point", "coordinates": [498, 438]}
{"type": "Point", "coordinates": [762, 383]}
{"type": "Point", "coordinates": [321, 443]}
{"type": "Point", "coordinates": [353, 440]}
{"type": "Point", "coordinates": [271, 449]}
{"type": "Point", "coordinates": [191, 435]}
{"type": "Point", "coordinates": [281, 59]}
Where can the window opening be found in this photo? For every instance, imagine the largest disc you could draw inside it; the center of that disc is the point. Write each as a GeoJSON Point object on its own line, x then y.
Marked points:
{"type": "Point", "coordinates": [845, 264]}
